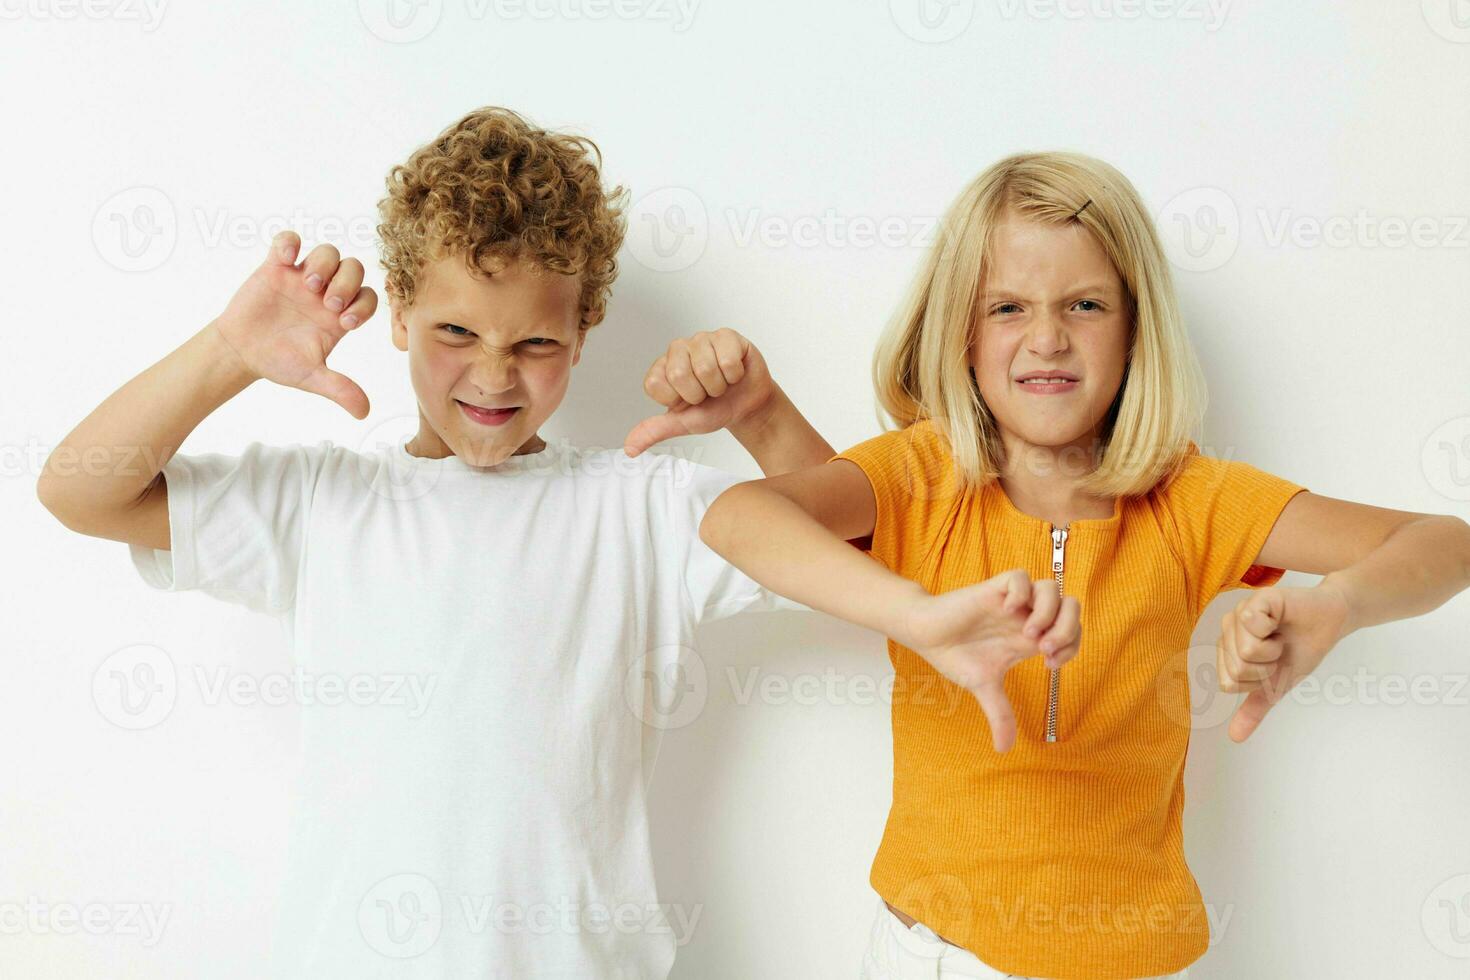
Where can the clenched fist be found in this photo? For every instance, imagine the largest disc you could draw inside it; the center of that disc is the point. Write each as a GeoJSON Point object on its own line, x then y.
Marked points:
{"type": "Point", "coordinates": [975, 634]}
{"type": "Point", "coordinates": [1270, 641]}
{"type": "Point", "coordinates": [709, 381]}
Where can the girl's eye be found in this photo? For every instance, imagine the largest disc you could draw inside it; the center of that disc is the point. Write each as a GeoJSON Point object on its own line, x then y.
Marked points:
{"type": "Point", "coordinates": [1006, 307]}
{"type": "Point", "coordinates": [1091, 301]}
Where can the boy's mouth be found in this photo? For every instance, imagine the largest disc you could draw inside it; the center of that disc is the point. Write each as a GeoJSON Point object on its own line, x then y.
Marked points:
{"type": "Point", "coordinates": [487, 416]}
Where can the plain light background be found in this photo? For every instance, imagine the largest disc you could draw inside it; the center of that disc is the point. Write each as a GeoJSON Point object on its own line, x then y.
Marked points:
{"type": "Point", "coordinates": [1309, 164]}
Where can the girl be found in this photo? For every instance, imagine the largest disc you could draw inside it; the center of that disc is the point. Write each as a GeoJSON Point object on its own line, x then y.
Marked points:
{"type": "Point", "coordinates": [1043, 494]}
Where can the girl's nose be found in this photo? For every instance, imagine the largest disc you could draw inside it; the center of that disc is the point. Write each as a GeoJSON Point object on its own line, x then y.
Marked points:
{"type": "Point", "coordinates": [1046, 335]}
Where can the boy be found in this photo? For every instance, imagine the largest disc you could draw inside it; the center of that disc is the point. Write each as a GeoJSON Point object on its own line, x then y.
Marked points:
{"type": "Point", "coordinates": [531, 588]}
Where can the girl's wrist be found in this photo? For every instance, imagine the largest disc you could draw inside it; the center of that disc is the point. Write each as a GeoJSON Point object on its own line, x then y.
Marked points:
{"type": "Point", "coordinates": [906, 623]}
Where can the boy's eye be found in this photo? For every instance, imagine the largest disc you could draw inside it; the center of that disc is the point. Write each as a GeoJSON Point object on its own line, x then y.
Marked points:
{"type": "Point", "coordinates": [455, 330]}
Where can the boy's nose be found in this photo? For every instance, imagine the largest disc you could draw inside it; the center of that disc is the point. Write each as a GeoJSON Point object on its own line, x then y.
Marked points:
{"type": "Point", "coordinates": [493, 373]}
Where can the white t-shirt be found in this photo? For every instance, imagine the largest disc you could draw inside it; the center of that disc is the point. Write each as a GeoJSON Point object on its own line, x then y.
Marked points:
{"type": "Point", "coordinates": [493, 654]}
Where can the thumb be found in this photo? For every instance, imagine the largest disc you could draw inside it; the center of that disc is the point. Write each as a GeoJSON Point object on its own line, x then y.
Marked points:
{"type": "Point", "coordinates": [1249, 715]}
{"type": "Point", "coordinates": [654, 430]}
{"type": "Point", "coordinates": [997, 708]}
{"type": "Point", "coordinates": [337, 387]}
{"type": "Point", "coordinates": [284, 248]}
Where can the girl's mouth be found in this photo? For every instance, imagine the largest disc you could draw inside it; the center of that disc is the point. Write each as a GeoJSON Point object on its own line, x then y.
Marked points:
{"type": "Point", "coordinates": [1047, 388]}
{"type": "Point", "coordinates": [487, 416]}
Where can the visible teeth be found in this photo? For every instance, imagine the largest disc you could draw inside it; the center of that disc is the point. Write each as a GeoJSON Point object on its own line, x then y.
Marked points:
{"type": "Point", "coordinates": [1044, 381]}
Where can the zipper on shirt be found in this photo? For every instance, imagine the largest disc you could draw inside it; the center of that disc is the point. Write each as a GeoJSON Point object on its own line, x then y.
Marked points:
{"type": "Point", "coordinates": [1058, 551]}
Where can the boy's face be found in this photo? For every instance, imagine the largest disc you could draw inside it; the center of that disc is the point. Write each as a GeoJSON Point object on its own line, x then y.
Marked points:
{"type": "Point", "coordinates": [504, 342]}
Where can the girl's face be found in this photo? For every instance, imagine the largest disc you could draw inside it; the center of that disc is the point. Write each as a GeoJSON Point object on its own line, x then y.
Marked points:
{"type": "Point", "coordinates": [1051, 302]}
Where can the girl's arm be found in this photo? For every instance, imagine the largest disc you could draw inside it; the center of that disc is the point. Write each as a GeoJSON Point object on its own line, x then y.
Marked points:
{"type": "Point", "coordinates": [1379, 565]}
{"type": "Point", "coordinates": [1420, 566]}
{"type": "Point", "coordinates": [790, 533]}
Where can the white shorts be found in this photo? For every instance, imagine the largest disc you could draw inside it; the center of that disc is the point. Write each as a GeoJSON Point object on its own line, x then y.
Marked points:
{"type": "Point", "coordinates": [899, 952]}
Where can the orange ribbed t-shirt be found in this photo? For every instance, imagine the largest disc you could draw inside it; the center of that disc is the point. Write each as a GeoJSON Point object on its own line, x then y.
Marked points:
{"type": "Point", "coordinates": [1059, 858]}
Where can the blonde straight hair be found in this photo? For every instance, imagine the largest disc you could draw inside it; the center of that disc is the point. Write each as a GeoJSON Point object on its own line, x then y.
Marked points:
{"type": "Point", "coordinates": [921, 367]}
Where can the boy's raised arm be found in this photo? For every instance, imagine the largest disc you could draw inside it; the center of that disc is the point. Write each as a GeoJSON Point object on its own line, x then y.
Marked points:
{"type": "Point", "coordinates": [105, 477]}
{"type": "Point", "coordinates": [719, 380]}
{"type": "Point", "coordinates": [779, 438]}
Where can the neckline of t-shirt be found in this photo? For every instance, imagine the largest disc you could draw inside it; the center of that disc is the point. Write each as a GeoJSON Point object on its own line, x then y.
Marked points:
{"type": "Point", "coordinates": [546, 454]}
{"type": "Point", "coordinates": [1081, 523]}
{"type": "Point", "coordinates": [1016, 513]}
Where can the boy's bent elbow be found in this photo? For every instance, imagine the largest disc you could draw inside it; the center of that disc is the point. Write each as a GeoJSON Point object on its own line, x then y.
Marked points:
{"type": "Point", "coordinates": [58, 508]}
{"type": "Point", "coordinates": [56, 489]}
{"type": "Point", "coordinates": [51, 498]}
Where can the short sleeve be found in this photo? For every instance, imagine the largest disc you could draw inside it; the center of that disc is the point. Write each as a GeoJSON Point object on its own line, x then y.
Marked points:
{"type": "Point", "coordinates": [914, 485]}
{"type": "Point", "coordinates": [1223, 512]}
{"type": "Point", "coordinates": [713, 587]}
{"type": "Point", "coordinates": [237, 525]}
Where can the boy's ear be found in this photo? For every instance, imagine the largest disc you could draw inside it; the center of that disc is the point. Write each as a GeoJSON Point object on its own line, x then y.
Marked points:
{"type": "Point", "coordinates": [399, 328]}
{"type": "Point", "coordinates": [577, 351]}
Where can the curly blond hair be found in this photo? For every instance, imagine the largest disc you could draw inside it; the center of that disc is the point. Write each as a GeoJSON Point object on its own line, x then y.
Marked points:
{"type": "Point", "coordinates": [494, 187]}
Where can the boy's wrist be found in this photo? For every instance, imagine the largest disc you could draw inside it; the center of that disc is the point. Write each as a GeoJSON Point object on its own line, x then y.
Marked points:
{"type": "Point", "coordinates": [761, 424]}
{"type": "Point", "coordinates": [224, 360]}
{"type": "Point", "coordinates": [1334, 582]}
